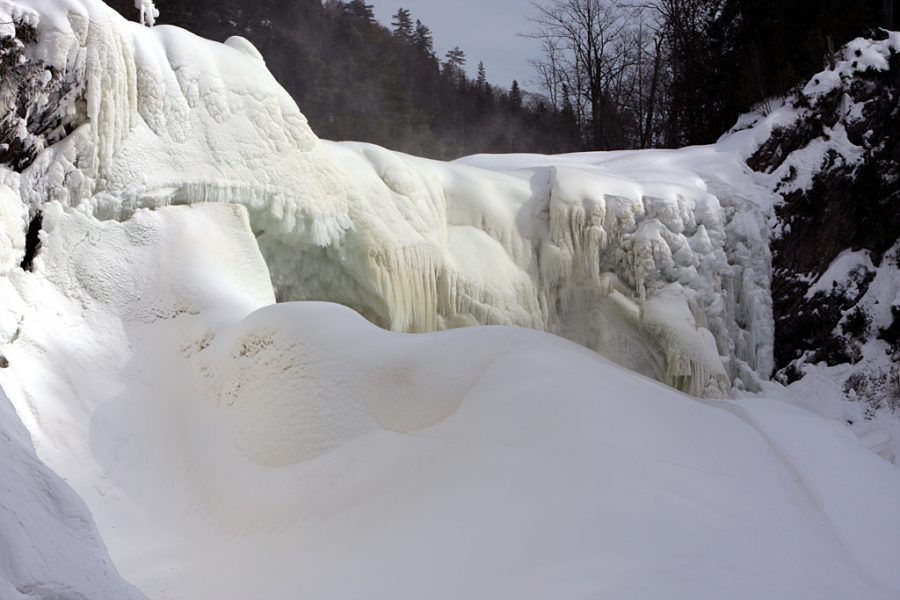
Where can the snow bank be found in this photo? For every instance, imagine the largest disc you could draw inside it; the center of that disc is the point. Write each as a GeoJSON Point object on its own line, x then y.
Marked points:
{"type": "Point", "coordinates": [297, 450]}
{"type": "Point", "coordinates": [587, 250]}
{"type": "Point", "coordinates": [51, 548]}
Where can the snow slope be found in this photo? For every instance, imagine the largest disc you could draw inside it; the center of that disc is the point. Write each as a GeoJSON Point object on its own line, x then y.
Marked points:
{"type": "Point", "coordinates": [50, 545]}
{"type": "Point", "coordinates": [662, 270]}
{"type": "Point", "coordinates": [295, 450]}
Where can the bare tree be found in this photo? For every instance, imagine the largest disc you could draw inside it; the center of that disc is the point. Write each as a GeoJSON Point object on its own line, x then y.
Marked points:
{"type": "Point", "coordinates": [691, 59]}
{"type": "Point", "coordinates": [608, 62]}
{"type": "Point", "coordinates": [548, 68]}
{"type": "Point", "coordinates": [648, 82]}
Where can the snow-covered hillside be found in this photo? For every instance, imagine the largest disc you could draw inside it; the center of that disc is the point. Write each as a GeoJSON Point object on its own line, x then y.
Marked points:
{"type": "Point", "coordinates": [230, 447]}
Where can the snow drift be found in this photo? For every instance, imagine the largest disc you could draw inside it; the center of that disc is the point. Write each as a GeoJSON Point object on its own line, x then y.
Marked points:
{"type": "Point", "coordinates": [295, 449]}
{"type": "Point", "coordinates": [51, 548]}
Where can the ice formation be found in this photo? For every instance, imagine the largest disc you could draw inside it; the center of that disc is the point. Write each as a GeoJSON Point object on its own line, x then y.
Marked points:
{"type": "Point", "coordinates": [148, 12]}
{"type": "Point", "coordinates": [664, 272]}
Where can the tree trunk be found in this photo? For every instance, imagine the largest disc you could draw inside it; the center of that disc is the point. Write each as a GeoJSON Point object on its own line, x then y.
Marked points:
{"type": "Point", "coordinates": [647, 133]}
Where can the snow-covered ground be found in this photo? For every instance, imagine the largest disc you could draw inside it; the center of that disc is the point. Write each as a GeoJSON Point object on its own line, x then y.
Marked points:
{"type": "Point", "coordinates": [230, 447]}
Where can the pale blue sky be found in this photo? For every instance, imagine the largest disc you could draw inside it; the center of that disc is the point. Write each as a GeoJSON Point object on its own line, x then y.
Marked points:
{"type": "Point", "coordinates": [485, 29]}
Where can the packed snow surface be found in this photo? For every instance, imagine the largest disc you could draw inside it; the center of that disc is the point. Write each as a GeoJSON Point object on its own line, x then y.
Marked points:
{"type": "Point", "coordinates": [229, 447]}
{"type": "Point", "coordinates": [296, 450]}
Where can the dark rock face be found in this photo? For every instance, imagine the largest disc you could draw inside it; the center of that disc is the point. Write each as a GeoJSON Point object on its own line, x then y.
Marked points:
{"type": "Point", "coordinates": [851, 205]}
{"type": "Point", "coordinates": [40, 104]}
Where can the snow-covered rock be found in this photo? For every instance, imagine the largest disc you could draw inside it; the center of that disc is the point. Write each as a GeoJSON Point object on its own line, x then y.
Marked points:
{"type": "Point", "coordinates": [832, 152]}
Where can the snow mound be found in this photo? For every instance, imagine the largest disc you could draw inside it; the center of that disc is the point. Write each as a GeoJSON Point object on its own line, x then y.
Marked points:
{"type": "Point", "coordinates": [269, 450]}
{"type": "Point", "coordinates": [296, 388]}
{"type": "Point", "coordinates": [642, 265]}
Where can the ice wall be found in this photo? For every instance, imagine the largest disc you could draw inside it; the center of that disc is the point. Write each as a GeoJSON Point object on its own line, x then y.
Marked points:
{"type": "Point", "coordinates": [652, 268]}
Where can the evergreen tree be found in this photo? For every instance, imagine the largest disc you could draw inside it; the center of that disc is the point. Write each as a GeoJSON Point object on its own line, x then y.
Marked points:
{"type": "Point", "coordinates": [453, 65]}
{"type": "Point", "coordinates": [481, 80]}
{"type": "Point", "coordinates": [515, 95]}
{"type": "Point", "coordinates": [403, 26]}
{"type": "Point", "coordinates": [422, 39]}
{"type": "Point", "coordinates": [456, 57]}
{"type": "Point", "coordinates": [360, 11]}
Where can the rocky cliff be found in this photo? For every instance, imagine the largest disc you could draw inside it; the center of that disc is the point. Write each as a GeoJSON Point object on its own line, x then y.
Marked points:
{"type": "Point", "coordinates": [834, 157]}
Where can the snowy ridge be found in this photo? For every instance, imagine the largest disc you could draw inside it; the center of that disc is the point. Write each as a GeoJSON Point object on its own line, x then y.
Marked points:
{"type": "Point", "coordinates": [413, 245]}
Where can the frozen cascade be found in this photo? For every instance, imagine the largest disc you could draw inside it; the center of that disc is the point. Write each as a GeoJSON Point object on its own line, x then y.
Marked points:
{"type": "Point", "coordinates": [664, 270]}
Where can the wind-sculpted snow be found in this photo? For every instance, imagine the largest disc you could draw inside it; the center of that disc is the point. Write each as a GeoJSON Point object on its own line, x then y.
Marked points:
{"type": "Point", "coordinates": [50, 545]}
{"type": "Point", "coordinates": [648, 269]}
{"type": "Point", "coordinates": [232, 448]}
